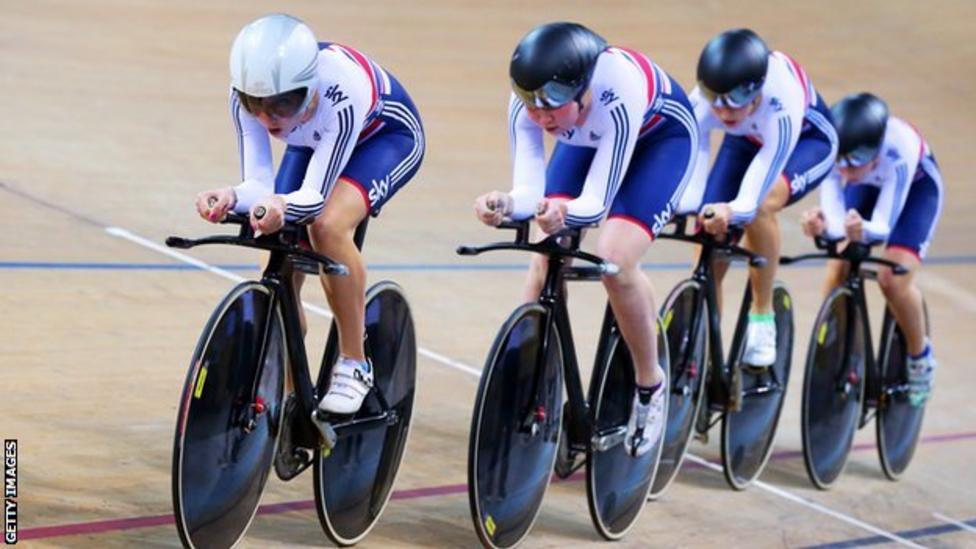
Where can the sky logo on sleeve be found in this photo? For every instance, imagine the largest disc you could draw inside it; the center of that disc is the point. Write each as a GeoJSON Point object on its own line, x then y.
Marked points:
{"type": "Point", "coordinates": [334, 94]}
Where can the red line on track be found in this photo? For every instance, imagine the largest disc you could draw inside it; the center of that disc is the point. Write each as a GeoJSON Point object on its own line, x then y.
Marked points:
{"type": "Point", "coordinates": [101, 526]}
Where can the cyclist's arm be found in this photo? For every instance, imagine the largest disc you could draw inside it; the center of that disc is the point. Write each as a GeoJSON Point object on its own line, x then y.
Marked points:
{"type": "Point", "coordinates": [528, 160]}
{"type": "Point", "coordinates": [254, 148]}
{"type": "Point", "coordinates": [618, 121]}
{"type": "Point", "coordinates": [343, 117]}
{"type": "Point", "coordinates": [901, 154]}
{"type": "Point", "coordinates": [780, 133]}
{"type": "Point", "coordinates": [691, 199]}
{"type": "Point", "coordinates": [890, 202]}
{"type": "Point", "coordinates": [833, 205]}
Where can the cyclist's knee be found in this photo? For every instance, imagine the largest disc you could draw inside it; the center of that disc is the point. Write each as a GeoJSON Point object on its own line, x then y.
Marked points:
{"type": "Point", "coordinates": [776, 200]}
{"type": "Point", "coordinates": [892, 284]}
{"type": "Point", "coordinates": [328, 233]}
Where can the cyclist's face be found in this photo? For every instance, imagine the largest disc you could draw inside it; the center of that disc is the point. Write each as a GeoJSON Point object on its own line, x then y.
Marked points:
{"type": "Point", "coordinates": [279, 125]}
{"type": "Point", "coordinates": [555, 121]}
{"type": "Point", "coordinates": [732, 117]}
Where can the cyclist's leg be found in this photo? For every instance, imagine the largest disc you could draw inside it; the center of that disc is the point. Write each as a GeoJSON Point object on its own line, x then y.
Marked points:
{"type": "Point", "coordinates": [631, 295]}
{"type": "Point", "coordinates": [332, 234]}
{"type": "Point", "coordinates": [731, 163]}
{"type": "Point", "coordinates": [835, 276]}
{"type": "Point", "coordinates": [565, 176]}
{"type": "Point", "coordinates": [763, 238]}
{"type": "Point", "coordinates": [387, 157]}
{"type": "Point", "coordinates": [811, 161]}
{"type": "Point", "coordinates": [907, 245]}
{"type": "Point", "coordinates": [656, 177]}
{"type": "Point", "coordinates": [903, 296]}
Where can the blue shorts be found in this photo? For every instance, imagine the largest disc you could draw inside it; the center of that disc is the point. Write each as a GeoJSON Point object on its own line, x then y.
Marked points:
{"type": "Point", "coordinates": [915, 226]}
{"type": "Point", "coordinates": [809, 163]}
{"type": "Point", "coordinates": [656, 176]}
{"type": "Point", "coordinates": [388, 154]}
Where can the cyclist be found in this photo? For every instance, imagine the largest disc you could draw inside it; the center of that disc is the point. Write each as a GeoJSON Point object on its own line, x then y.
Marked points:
{"type": "Point", "coordinates": [779, 144]}
{"type": "Point", "coordinates": [886, 187]}
{"type": "Point", "coordinates": [354, 138]}
{"type": "Point", "coordinates": [625, 144]}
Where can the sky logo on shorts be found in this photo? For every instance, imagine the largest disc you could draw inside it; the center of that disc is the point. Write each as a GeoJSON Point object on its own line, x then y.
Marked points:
{"type": "Point", "coordinates": [798, 184]}
{"type": "Point", "coordinates": [379, 190]}
{"type": "Point", "coordinates": [661, 219]}
{"type": "Point", "coordinates": [608, 97]}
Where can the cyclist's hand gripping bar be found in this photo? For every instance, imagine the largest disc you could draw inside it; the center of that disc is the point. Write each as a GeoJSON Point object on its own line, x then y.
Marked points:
{"type": "Point", "coordinates": [552, 245]}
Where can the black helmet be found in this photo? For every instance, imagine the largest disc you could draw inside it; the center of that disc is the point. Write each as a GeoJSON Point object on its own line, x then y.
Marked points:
{"type": "Point", "coordinates": [732, 67]}
{"type": "Point", "coordinates": [552, 65]}
{"type": "Point", "coordinates": [861, 120]}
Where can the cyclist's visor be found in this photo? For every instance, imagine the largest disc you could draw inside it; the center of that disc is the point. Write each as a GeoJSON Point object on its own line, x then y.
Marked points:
{"type": "Point", "coordinates": [737, 98]}
{"type": "Point", "coordinates": [283, 105]}
{"type": "Point", "coordinates": [551, 95]}
{"type": "Point", "coordinates": [858, 157]}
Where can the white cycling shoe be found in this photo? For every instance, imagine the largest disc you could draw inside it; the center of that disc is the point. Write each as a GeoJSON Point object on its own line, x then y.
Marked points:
{"type": "Point", "coordinates": [760, 344]}
{"type": "Point", "coordinates": [646, 424]}
{"type": "Point", "coordinates": [350, 383]}
{"type": "Point", "coordinates": [921, 372]}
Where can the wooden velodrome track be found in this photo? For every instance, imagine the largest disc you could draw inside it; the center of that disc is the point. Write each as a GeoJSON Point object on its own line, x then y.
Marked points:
{"type": "Point", "coordinates": [115, 116]}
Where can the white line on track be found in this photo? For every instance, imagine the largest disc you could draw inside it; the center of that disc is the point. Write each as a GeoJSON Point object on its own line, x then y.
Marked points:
{"type": "Point", "coordinates": [474, 372]}
{"type": "Point", "coordinates": [812, 505]}
{"type": "Point", "coordinates": [954, 522]}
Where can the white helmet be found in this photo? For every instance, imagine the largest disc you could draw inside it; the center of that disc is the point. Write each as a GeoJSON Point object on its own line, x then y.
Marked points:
{"type": "Point", "coordinates": [274, 55]}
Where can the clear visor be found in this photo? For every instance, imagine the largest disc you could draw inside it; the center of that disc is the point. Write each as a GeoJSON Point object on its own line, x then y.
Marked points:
{"type": "Point", "coordinates": [551, 95]}
{"type": "Point", "coordinates": [858, 157]}
{"type": "Point", "coordinates": [737, 98]}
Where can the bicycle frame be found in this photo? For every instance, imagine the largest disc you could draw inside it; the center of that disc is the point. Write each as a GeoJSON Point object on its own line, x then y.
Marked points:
{"type": "Point", "coordinates": [720, 378]}
{"type": "Point", "coordinates": [856, 254]}
{"type": "Point", "coordinates": [553, 300]}
{"type": "Point", "coordinates": [285, 258]}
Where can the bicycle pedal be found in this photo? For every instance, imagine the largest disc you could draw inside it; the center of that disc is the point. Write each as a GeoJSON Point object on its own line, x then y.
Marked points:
{"type": "Point", "coordinates": [609, 439]}
{"type": "Point", "coordinates": [325, 429]}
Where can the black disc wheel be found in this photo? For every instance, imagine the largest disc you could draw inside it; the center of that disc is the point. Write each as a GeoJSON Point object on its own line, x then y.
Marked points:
{"type": "Point", "coordinates": [833, 387]}
{"type": "Point", "coordinates": [354, 481]}
{"type": "Point", "coordinates": [687, 357]}
{"type": "Point", "coordinates": [899, 423]}
{"type": "Point", "coordinates": [749, 432]}
{"type": "Point", "coordinates": [515, 427]}
{"type": "Point", "coordinates": [229, 419]}
{"type": "Point", "coordinates": [617, 483]}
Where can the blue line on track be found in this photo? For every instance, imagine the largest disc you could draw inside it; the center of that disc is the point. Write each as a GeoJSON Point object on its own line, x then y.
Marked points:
{"type": "Point", "coordinates": [401, 267]}
{"type": "Point", "coordinates": [927, 531]}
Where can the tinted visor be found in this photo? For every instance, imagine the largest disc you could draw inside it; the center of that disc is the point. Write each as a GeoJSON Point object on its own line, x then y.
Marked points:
{"type": "Point", "coordinates": [737, 98]}
{"type": "Point", "coordinates": [283, 105]}
{"type": "Point", "coordinates": [858, 157]}
{"type": "Point", "coordinates": [551, 95]}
